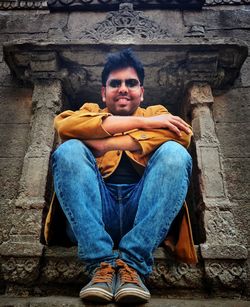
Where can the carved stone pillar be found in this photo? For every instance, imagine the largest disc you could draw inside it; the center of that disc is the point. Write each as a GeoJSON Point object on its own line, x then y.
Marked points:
{"type": "Point", "coordinates": [21, 254]}
{"type": "Point", "coordinates": [224, 259]}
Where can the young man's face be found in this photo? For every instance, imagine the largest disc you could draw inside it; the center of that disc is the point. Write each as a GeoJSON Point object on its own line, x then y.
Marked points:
{"type": "Point", "coordinates": [123, 92]}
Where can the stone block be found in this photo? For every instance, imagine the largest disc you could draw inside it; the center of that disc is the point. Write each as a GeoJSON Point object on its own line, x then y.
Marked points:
{"type": "Point", "coordinates": [170, 20]}
{"type": "Point", "coordinates": [15, 105]}
{"type": "Point", "coordinates": [13, 140]}
{"type": "Point", "coordinates": [20, 270]}
{"type": "Point", "coordinates": [234, 139]}
{"type": "Point", "coordinates": [70, 301]}
{"type": "Point", "coordinates": [211, 172]}
{"type": "Point", "coordinates": [10, 171]}
{"type": "Point", "coordinates": [222, 251]}
{"type": "Point", "coordinates": [222, 274]}
{"type": "Point", "coordinates": [79, 21]}
{"type": "Point", "coordinates": [232, 106]}
{"type": "Point", "coordinates": [26, 223]}
{"type": "Point", "coordinates": [44, 62]}
{"type": "Point", "coordinates": [237, 178]}
{"type": "Point", "coordinates": [220, 227]}
{"type": "Point", "coordinates": [245, 73]}
{"type": "Point", "coordinates": [33, 181]}
{"type": "Point", "coordinates": [38, 22]}
{"type": "Point", "coordinates": [92, 56]}
{"type": "Point", "coordinates": [241, 212]}
{"type": "Point", "coordinates": [7, 208]}
{"type": "Point", "coordinates": [214, 19]}
{"type": "Point", "coordinates": [167, 274]}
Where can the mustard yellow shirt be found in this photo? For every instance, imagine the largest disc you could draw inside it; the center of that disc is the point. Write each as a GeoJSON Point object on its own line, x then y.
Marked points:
{"type": "Point", "coordinates": [87, 124]}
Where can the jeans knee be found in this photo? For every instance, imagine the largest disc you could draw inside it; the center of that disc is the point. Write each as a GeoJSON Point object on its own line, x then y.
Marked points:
{"type": "Point", "coordinates": [70, 150]}
{"type": "Point", "coordinates": [174, 155]}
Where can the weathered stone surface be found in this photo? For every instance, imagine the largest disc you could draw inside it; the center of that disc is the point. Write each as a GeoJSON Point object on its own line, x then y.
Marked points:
{"type": "Point", "coordinates": [214, 19]}
{"type": "Point", "coordinates": [226, 274]}
{"type": "Point", "coordinates": [7, 208]}
{"type": "Point", "coordinates": [47, 99]}
{"type": "Point", "coordinates": [211, 172]}
{"type": "Point", "coordinates": [220, 227]}
{"type": "Point", "coordinates": [13, 140]}
{"type": "Point", "coordinates": [232, 107]}
{"type": "Point", "coordinates": [165, 72]}
{"type": "Point", "coordinates": [10, 170]}
{"type": "Point", "coordinates": [234, 139]}
{"type": "Point", "coordinates": [67, 301]}
{"type": "Point", "coordinates": [203, 126]}
{"type": "Point", "coordinates": [245, 73]}
{"type": "Point", "coordinates": [15, 105]}
{"type": "Point", "coordinates": [237, 177]}
{"type": "Point", "coordinates": [222, 251]}
{"type": "Point", "coordinates": [241, 212]}
{"type": "Point", "coordinates": [20, 270]}
{"type": "Point", "coordinates": [168, 274]}
{"type": "Point", "coordinates": [38, 23]}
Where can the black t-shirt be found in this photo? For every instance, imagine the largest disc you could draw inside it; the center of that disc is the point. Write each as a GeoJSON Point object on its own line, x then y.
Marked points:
{"type": "Point", "coordinates": [124, 173]}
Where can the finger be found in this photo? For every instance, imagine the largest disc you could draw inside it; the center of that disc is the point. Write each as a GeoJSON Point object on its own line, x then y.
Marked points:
{"type": "Point", "coordinates": [181, 126]}
{"type": "Point", "coordinates": [177, 118]}
{"type": "Point", "coordinates": [173, 128]}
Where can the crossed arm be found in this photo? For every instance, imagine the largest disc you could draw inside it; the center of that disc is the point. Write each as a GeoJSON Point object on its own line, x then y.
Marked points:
{"type": "Point", "coordinates": [120, 124]}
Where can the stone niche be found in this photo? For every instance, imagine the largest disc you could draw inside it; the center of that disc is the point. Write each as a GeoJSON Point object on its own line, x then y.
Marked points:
{"type": "Point", "coordinates": [182, 75]}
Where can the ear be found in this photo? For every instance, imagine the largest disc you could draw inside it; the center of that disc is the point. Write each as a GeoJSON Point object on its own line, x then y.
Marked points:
{"type": "Point", "coordinates": [103, 92]}
{"type": "Point", "coordinates": [142, 93]}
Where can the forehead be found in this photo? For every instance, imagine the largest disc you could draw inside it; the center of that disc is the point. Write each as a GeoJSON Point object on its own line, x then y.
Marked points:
{"type": "Point", "coordinates": [123, 73]}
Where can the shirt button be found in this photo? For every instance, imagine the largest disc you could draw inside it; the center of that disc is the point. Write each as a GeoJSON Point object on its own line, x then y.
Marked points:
{"type": "Point", "coordinates": [143, 136]}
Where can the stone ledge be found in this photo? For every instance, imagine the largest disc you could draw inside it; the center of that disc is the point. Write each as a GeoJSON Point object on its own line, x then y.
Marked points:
{"type": "Point", "coordinates": [176, 63]}
{"type": "Point", "coordinates": [58, 301]}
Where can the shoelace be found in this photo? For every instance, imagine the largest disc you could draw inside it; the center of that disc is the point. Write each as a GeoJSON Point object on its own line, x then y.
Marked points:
{"type": "Point", "coordinates": [104, 274]}
{"type": "Point", "coordinates": [127, 274]}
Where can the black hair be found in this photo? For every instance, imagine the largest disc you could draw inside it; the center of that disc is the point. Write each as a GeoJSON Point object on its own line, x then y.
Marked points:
{"type": "Point", "coordinates": [122, 59]}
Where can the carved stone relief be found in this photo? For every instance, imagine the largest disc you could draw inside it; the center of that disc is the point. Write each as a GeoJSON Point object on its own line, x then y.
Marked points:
{"type": "Point", "coordinates": [20, 269]}
{"type": "Point", "coordinates": [102, 5]}
{"type": "Point", "coordinates": [226, 273]}
{"type": "Point", "coordinates": [123, 24]}
{"type": "Point", "coordinates": [23, 4]}
{"type": "Point", "coordinates": [113, 4]}
{"type": "Point", "coordinates": [172, 274]}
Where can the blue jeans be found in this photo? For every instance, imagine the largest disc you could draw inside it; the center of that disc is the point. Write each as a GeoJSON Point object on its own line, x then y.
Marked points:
{"type": "Point", "coordinates": [125, 221]}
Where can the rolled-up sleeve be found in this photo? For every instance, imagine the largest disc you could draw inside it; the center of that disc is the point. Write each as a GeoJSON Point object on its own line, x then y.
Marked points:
{"type": "Point", "coordinates": [81, 124]}
{"type": "Point", "coordinates": [150, 140]}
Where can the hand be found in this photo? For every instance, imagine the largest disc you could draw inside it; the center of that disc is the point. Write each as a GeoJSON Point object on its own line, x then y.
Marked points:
{"type": "Point", "coordinates": [167, 121]}
{"type": "Point", "coordinates": [100, 146]}
{"type": "Point", "coordinates": [97, 147]}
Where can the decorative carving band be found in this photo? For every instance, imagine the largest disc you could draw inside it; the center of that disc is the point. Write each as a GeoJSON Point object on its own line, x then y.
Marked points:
{"type": "Point", "coordinates": [124, 24]}
{"type": "Point", "coordinates": [173, 274]}
{"type": "Point", "coordinates": [106, 5]}
{"type": "Point", "coordinates": [226, 2]}
{"type": "Point", "coordinates": [23, 4]}
{"type": "Point", "coordinates": [20, 269]}
{"type": "Point", "coordinates": [226, 273]}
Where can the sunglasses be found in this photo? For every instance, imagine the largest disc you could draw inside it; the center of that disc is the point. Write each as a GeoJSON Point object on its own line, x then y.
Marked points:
{"type": "Point", "coordinates": [129, 83]}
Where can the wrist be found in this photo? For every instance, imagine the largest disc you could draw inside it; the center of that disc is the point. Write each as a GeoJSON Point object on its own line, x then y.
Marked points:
{"type": "Point", "coordinates": [142, 122]}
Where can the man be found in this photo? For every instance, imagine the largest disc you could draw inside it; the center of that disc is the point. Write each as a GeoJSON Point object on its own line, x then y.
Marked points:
{"type": "Point", "coordinates": [121, 177]}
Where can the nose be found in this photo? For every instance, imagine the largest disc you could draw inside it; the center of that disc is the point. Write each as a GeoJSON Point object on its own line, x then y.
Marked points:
{"type": "Point", "coordinates": [123, 88]}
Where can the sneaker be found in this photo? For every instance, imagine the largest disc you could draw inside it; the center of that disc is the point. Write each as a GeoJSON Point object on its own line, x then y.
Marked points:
{"type": "Point", "coordinates": [101, 287]}
{"type": "Point", "coordinates": [129, 286]}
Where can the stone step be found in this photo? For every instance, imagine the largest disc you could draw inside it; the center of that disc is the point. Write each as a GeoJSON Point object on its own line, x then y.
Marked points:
{"type": "Point", "coordinates": [59, 272]}
{"type": "Point", "coordinates": [65, 301]}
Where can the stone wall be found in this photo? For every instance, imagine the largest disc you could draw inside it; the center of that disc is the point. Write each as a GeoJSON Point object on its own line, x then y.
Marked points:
{"type": "Point", "coordinates": [230, 109]}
